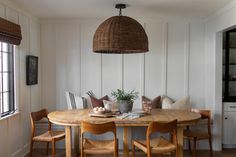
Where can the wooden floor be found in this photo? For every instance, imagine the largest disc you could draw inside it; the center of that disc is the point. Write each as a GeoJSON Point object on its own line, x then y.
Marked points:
{"type": "Point", "coordinates": [200, 153]}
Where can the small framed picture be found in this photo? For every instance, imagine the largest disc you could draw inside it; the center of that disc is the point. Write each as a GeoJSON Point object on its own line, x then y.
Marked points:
{"type": "Point", "coordinates": [31, 70]}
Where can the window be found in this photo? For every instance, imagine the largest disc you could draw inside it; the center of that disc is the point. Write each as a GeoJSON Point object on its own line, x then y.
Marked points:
{"type": "Point", "coordinates": [6, 79]}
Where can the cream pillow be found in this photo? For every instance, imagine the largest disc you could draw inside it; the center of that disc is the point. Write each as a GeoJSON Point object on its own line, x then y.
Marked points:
{"type": "Point", "coordinates": [168, 103]}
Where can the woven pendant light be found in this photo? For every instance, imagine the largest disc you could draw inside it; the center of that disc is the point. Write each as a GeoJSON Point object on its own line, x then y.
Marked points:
{"type": "Point", "coordinates": [120, 35]}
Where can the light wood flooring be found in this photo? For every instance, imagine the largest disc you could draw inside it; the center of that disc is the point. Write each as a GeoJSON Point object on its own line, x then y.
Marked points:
{"type": "Point", "coordinates": [200, 153]}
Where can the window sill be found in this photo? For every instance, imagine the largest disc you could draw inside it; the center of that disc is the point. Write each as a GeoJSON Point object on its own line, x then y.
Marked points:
{"type": "Point", "coordinates": [9, 116]}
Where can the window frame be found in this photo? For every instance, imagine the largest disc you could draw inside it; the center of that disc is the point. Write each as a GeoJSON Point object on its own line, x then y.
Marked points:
{"type": "Point", "coordinates": [11, 80]}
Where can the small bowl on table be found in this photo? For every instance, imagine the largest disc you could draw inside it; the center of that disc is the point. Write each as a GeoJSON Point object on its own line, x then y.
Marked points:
{"type": "Point", "coordinates": [99, 110]}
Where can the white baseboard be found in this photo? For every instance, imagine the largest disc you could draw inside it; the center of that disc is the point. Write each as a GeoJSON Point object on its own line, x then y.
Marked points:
{"type": "Point", "coordinates": [17, 153]}
{"type": "Point", "coordinates": [22, 152]}
{"type": "Point", "coordinates": [26, 149]}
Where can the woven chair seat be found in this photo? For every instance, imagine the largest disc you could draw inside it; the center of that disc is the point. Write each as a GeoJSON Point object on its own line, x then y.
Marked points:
{"type": "Point", "coordinates": [198, 134]}
{"type": "Point", "coordinates": [158, 145]}
{"type": "Point", "coordinates": [98, 147]}
{"type": "Point", "coordinates": [49, 136]}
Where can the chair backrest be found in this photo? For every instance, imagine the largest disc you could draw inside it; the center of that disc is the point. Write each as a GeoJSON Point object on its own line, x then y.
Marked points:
{"type": "Point", "coordinates": [98, 128]}
{"type": "Point", "coordinates": [205, 114]}
{"type": "Point", "coordinates": [70, 98]}
{"type": "Point", "coordinates": [161, 127]}
{"type": "Point", "coordinates": [37, 116]}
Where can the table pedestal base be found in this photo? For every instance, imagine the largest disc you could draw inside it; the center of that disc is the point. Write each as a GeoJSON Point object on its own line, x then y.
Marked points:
{"type": "Point", "coordinates": [126, 140]}
{"type": "Point", "coordinates": [180, 138]}
{"type": "Point", "coordinates": [68, 141]}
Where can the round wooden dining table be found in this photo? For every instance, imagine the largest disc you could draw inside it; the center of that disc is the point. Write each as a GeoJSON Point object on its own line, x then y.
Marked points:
{"type": "Point", "coordinates": [71, 118]}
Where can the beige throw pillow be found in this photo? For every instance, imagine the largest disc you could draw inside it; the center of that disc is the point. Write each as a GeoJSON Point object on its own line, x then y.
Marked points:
{"type": "Point", "coordinates": [168, 103]}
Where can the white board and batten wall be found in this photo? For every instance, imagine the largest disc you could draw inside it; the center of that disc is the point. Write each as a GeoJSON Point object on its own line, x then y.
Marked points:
{"type": "Point", "coordinates": [180, 62]}
{"type": "Point", "coordinates": [15, 130]}
{"type": "Point", "coordinates": [174, 65]}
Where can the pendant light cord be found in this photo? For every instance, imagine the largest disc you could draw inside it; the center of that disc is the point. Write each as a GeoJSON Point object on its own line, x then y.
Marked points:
{"type": "Point", "coordinates": [120, 12]}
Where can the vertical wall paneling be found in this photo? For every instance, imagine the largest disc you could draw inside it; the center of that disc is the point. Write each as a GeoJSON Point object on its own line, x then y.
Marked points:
{"type": "Point", "coordinates": [64, 40]}
{"type": "Point", "coordinates": [132, 74]}
{"type": "Point", "coordinates": [34, 43]}
{"type": "Point", "coordinates": [100, 76]}
{"type": "Point", "coordinates": [73, 59]}
{"type": "Point", "coordinates": [80, 61]}
{"type": "Point", "coordinates": [122, 72]}
{"type": "Point", "coordinates": [91, 62]}
{"type": "Point", "coordinates": [2, 11]}
{"type": "Point", "coordinates": [175, 65]}
{"type": "Point", "coordinates": [218, 91]}
{"type": "Point", "coordinates": [48, 66]}
{"type": "Point", "coordinates": [14, 139]}
{"type": "Point", "coordinates": [142, 75]}
{"type": "Point", "coordinates": [154, 60]}
{"type": "Point", "coordinates": [164, 58]}
{"type": "Point", "coordinates": [61, 49]}
{"type": "Point", "coordinates": [142, 70]}
{"type": "Point", "coordinates": [4, 144]}
{"type": "Point", "coordinates": [101, 73]}
{"type": "Point", "coordinates": [24, 90]}
{"type": "Point", "coordinates": [197, 65]}
{"type": "Point", "coordinates": [111, 72]}
{"type": "Point", "coordinates": [64, 60]}
{"type": "Point", "coordinates": [186, 60]}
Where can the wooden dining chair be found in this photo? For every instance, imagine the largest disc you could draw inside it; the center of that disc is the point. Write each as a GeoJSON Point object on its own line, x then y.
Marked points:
{"type": "Point", "coordinates": [89, 146]}
{"type": "Point", "coordinates": [48, 136]}
{"type": "Point", "coordinates": [196, 134]}
{"type": "Point", "coordinates": [158, 145]}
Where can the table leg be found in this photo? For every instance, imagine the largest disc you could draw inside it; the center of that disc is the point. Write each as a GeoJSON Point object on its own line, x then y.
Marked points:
{"type": "Point", "coordinates": [68, 141]}
{"type": "Point", "coordinates": [180, 138]}
{"type": "Point", "coordinates": [76, 139]}
{"type": "Point", "coordinates": [126, 139]}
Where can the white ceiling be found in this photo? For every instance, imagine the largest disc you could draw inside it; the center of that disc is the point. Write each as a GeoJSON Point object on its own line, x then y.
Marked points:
{"type": "Point", "coordinates": [104, 8]}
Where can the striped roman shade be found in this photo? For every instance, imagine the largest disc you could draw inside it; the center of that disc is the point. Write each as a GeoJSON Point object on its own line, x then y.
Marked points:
{"type": "Point", "coordinates": [10, 32]}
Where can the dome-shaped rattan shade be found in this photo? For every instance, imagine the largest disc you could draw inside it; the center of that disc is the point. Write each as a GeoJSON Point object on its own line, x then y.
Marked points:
{"type": "Point", "coordinates": [119, 35]}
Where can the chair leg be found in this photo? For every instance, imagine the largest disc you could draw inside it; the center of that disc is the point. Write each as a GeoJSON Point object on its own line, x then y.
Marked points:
{"type": "Point", "coordinates": [47, 147]}
{"type": "Point", "coordinates": [81, 153]}
{"type": "Point", "coordinates": [133, 150]}
{"type": "Point", "coordinates": [53, 148]}
{"type": "Point", "coordinates": [210, 144]}
{"type": "Point", "coordinates": [195, 147]}
{"type": "Point", "coordinates": [189, 145]}
{"type": "Point", "coordinates": [115, 153]}
{"type": "Point", "coordinates": [116, 149]}
{"type": "Point", "coordinates": [31, 148]}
